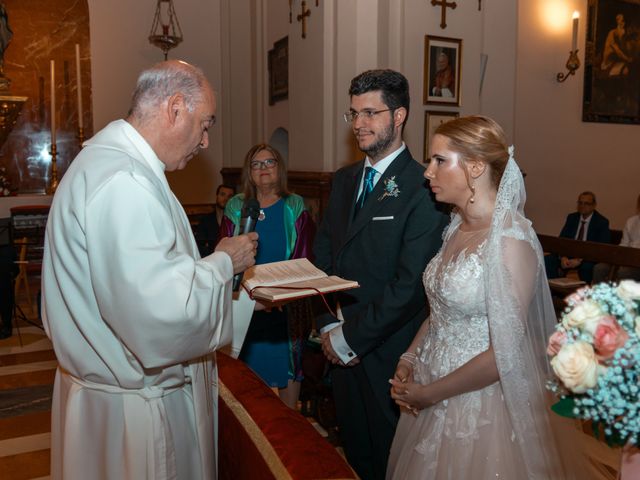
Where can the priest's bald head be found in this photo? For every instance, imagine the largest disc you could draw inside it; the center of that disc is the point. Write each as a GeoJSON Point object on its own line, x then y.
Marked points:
{"type": "Point", "coordinates": [173, 107]}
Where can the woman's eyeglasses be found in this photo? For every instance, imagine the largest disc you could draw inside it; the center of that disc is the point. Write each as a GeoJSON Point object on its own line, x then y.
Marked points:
{"type": "Point", "coordinates": [260, 164]}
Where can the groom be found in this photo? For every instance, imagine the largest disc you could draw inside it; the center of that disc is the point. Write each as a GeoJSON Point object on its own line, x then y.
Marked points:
{"type": "Point", "coordinates": [380, 228]}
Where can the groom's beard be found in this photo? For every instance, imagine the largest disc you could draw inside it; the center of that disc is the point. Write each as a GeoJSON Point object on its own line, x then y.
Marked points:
{"type": "Point", "coordinates": [383, 140]}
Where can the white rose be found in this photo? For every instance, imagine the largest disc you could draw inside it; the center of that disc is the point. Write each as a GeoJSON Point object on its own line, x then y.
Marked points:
{"type": "Point", "coordinates": [576, 366]}
{"type": "Point", "coordinates": [629, 290]}
{"type": "Point", "coordinates": [584, 316]}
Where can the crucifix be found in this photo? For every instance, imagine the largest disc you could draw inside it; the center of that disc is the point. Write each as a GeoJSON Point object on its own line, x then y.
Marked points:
{"type": "Point", "coordinates": [444, 4]}
{"type": "Point", "coordinates": [302, 17]}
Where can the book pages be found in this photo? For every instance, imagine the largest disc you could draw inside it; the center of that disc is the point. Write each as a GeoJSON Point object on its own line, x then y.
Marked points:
{"type": "Point", "coordinates": [277, 273]}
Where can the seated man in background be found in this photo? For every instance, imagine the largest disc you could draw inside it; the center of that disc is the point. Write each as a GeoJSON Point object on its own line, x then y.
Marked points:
{"type": "Point", "coordinates": [207, 231]}
{"type": "Point", "coordinates": [630, 238]}
{"type": "Point", "coordinates": [586, 224]}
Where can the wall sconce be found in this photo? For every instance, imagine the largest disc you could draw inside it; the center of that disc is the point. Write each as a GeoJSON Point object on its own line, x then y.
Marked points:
{"type": "Point", "coordinates": [573, 63]}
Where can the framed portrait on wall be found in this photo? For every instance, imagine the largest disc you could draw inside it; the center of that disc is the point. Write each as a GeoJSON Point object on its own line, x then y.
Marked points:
{"type": "Point", "coordinates": [432, 119]}
{"type": "Point", "coordinates": [612, 62]}
{"type": "Point", "coordinates": [279, 71]}
{"type": "Point", "coordinates": [442, 70]}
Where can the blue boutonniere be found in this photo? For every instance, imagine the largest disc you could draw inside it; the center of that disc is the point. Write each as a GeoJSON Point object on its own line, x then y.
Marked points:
{"type": "Point", "coordinates": [390, 188]}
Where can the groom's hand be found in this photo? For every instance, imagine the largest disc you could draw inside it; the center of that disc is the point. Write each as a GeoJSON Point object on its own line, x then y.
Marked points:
{"type": "Point", "coordinates": [332, 356]}
{"type": "Point", "coordinates": [328, 350]}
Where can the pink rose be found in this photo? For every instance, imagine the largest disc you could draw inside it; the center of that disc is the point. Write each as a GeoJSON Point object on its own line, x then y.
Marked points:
{"type": "Point", "coordinates": [556, 341]}
{"type": "Point", "coordinates": [608, 337]}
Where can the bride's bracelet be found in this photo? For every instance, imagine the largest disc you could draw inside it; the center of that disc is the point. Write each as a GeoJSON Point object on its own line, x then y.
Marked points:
{"type": "Point", "coordinates": [409, 357]}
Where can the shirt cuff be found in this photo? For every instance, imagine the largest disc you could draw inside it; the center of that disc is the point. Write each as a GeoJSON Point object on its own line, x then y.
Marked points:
{"type": "Point", "coordinates": [340, 345]}
{"type": "Point", "coordinates": [330, 326]}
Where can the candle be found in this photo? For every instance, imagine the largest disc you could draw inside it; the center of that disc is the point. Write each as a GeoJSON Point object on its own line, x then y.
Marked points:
{"type": "Point", "coordinates": [53, 102]}
{"type": "Point", "coordinates": [79, 86]}
{"type": "Point", "coordinates": [574, 42]}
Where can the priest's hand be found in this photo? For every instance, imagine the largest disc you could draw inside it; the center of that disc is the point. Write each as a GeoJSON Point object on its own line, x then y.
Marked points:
{"type": "Point", "coordinates": [263, 305]}
{"type": "Point", "coordinates": [242, 250]}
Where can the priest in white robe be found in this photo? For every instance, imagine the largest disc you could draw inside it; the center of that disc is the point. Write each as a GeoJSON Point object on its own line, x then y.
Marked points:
{"type": "Point", "coordinates": [132, 310]}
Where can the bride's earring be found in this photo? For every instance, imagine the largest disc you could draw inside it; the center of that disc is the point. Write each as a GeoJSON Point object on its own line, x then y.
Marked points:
{"type": "Point", "coordinates": [473, 194]}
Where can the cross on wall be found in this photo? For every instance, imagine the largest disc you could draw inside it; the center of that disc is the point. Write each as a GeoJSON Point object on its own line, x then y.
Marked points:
{"type": "Point", "coordinates": [302, 17]}
{"type": "Point", "coordinates": [443, 13]}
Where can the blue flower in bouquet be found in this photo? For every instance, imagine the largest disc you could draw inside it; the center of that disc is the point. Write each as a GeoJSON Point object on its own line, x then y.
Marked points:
{"type": "Point", "coordinates": [595, 355]}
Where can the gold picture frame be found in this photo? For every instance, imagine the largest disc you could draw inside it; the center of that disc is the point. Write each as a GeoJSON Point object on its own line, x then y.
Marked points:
{"type": "Point", "coordinates": [611, 72]}
{"type": "Point", "coordinates": [442, 70]}
{"type": "Point", "coordinates": [432, 119]}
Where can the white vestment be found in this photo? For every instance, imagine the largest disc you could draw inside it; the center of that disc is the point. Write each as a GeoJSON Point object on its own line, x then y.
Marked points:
{"type": "Point", "coordinates": [134, 315]}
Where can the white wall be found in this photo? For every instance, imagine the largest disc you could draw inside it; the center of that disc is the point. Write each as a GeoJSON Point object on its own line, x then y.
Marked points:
{"type": "Point", "coordinates": [230, 38]}
{"type": "Point", "coordinates": [561, 154]}
{"type": "Point", "coordinates": [120, 50]}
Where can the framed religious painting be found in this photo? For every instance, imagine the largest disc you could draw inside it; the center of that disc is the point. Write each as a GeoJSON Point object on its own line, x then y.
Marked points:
{"type": "Point", "coordinates": [442, 70]}
{"type": "Point", "coordinates": [612, 62]}
{"type": "Point", "coordinates": [432, 119]}
{"type": "Point", "coordinates": [279, 71]}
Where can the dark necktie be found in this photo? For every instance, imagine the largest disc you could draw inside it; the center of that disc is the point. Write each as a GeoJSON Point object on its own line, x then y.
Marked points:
{"type": "Point", "coordinates": [581, 230]}
{"type": "Point", "coordinates": [369, 174]}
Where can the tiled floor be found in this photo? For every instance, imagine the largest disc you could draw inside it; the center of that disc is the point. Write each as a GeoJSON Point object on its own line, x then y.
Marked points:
{"type": "Point", "coordinates": [26, 381]}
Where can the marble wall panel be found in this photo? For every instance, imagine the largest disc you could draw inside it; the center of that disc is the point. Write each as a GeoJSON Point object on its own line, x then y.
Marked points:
{"type": "Point", "coordinates": [45, 30]}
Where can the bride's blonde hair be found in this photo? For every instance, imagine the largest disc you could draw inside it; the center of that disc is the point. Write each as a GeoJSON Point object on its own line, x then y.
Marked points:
{"type": "Point", "coordinates": [478, 138]}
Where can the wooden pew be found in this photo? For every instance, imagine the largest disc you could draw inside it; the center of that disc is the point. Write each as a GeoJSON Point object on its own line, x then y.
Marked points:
{"type": "Point", "coordinates": [614, 255]}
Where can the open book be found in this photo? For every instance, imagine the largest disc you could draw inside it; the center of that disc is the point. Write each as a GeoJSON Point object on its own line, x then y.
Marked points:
{"type": "Point", "coordinates": [299, 274]}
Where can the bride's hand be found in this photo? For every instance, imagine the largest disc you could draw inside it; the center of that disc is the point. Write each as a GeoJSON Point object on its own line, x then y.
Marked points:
{"type": "Point", "coordinates": [404, 373]}
{"type": "Point", "coordinates": [413, 396]}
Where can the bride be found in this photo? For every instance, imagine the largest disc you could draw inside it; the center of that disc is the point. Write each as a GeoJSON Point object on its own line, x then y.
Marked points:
{"type": "Point", "coordinates": [472, 383]}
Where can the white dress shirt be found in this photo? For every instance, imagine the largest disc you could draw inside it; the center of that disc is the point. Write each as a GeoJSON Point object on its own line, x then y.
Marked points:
{"type": "Point", "coordinates": [631, 232]}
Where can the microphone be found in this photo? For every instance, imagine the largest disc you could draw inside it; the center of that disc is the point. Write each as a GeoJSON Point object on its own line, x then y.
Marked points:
{"type": "Point", "coordinates": [248, 219]}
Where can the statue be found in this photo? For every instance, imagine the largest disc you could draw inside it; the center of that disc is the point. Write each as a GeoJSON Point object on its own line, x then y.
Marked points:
{"type": "Point", "coordinates": [5, 38]}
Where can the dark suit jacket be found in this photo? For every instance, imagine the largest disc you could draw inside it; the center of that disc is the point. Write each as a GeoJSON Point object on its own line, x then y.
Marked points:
{"type": "Point", "coordinates": [598, 230]}
{"type": "Point", "coordinates": [387, 258]}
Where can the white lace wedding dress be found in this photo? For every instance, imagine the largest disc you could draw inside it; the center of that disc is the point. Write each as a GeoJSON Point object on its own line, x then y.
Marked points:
{"type": "Point", "coordinates": [488, 288]}
{"type": "Point", "coordinates": [469, 436]}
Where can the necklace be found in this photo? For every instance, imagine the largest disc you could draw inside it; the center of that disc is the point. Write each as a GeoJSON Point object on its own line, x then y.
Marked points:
{"type": "Point", "coordinates": [262, 216]}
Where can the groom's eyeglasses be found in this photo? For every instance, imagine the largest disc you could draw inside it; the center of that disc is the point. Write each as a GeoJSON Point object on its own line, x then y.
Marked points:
{"type": "Point", "coordinates": [351, 116]}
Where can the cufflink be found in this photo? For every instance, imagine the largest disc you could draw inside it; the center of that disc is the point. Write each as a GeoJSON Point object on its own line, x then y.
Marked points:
{"type": "Point", "coordinates": [350, 354]}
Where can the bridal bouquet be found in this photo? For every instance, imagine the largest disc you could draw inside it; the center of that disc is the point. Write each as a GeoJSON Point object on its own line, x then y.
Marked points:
{"type": "Point", "coordinates": [595, 355]}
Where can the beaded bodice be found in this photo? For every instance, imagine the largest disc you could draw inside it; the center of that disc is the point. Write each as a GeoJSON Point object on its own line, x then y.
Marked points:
{"type": "Point", "coordinates": [458, 328]}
